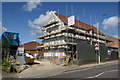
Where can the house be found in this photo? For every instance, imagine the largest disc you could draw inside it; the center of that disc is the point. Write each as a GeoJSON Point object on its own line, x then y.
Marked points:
{"type": "Point", "coordinates": [31, 48]}
{"type": "Point", "coordinates": [114, 43]}
{"type": "Point", "coordinates": [77, 40]}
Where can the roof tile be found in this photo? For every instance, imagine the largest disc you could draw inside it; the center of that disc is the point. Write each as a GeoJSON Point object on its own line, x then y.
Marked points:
{"type": "Point", "coordinates": [78, 24]}
{"type": "Point", "coordinates": [31, 45]}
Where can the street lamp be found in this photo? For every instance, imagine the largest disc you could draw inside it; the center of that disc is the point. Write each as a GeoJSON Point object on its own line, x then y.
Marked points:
{"type": "Point", "coordinates": [99, 55]}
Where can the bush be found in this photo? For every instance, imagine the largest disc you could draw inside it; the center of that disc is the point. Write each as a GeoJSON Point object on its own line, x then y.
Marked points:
{"type": "Point", "coordinates": [5, 65]}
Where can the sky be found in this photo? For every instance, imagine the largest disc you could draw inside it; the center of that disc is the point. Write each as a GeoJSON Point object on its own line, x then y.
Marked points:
{"type": "Point", "coordinates": [16, 16]}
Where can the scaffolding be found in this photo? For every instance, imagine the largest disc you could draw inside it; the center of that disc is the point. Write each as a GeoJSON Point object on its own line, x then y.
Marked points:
{"type": "Point", "coordinates": [61, 39]}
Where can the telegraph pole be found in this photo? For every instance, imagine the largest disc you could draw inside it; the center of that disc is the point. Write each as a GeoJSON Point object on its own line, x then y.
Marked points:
{"type": "Point", "coordinates": [97, 45]}
{"type": "Point", "coordinates": [99, 58]}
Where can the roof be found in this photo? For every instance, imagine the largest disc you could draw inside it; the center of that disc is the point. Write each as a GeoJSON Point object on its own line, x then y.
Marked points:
{"type": "Point", "coordinates": [113, 38]}
{"type": "Point", "coordinates": [31, 45]}
{"type": "Point", "coordinates": [78, 24]}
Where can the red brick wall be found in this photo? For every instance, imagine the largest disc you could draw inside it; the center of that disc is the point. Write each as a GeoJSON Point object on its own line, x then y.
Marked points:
{"type": "Point", "coordinates": [114, 43]}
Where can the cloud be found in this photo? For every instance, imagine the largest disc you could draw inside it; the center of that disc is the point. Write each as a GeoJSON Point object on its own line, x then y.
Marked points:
{"type": "Point", "coordinates": [29, 6]}
{"type": "Point", "coordinates": [36, 24]}
{"type": "Point", "coordinates": [117, 36]}
{"type": "Point", "coordinates": [2, 29]}
{"type": "Point", "coordinates": [111, 22]}
{"type": "Point", "coordinates": [32, 33]}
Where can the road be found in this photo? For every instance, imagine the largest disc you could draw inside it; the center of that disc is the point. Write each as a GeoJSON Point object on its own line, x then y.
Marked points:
{"type": "Point", "coordinates": [104, 71]}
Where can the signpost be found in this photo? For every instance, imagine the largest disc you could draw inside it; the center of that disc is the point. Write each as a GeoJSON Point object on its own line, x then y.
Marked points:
{"type": "Point", "coordinates": [97, 51]}
{"type": "Point", "coordinates": [96, 46]}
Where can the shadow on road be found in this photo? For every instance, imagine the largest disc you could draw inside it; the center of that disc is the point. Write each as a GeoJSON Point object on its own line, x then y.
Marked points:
{"type": "Point", "coordinates": [33, 63]}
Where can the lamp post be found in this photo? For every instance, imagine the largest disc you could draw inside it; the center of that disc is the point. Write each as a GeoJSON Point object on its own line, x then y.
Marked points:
{"type": "Point", "coordinates": [99, 55]}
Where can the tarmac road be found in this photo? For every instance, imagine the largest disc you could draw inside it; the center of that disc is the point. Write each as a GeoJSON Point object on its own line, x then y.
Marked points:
{"type": "Point", "coordinates": [104, 71]}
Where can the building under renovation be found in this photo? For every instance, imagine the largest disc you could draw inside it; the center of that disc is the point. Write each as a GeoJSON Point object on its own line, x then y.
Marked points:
{"type": "Point", "coordinates": [77, 40]}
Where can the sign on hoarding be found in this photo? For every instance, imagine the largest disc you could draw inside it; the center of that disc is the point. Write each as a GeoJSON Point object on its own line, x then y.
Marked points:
{"type": "Point", "coordinates": [71, 20]}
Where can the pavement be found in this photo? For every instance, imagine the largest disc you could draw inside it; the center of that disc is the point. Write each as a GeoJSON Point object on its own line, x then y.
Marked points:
{"type": "Point", "coordinates": [9, 75]}
{"type": "Point", "coordinates": [45, 68]}
{"type": "Point", "coordinates": [41, 69]}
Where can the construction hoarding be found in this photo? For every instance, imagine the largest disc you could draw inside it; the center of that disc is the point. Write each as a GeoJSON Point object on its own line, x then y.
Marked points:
{"type": "Point", "coordinates": [86, 53]}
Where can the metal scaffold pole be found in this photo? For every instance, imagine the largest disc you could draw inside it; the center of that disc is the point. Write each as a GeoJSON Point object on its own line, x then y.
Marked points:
{"type": "Point", "coordinates": [67, 32]}
{"type": "Point", "coordinates": [84, 26]}
{"type": "Point", "coordinates": [91, 42]}
{"type": "Point", "coordinates": [58, 37]}
{"type": "Point", "coordinates": [72, 35]}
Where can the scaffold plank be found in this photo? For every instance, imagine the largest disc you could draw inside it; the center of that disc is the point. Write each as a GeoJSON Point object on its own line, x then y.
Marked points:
{"type": "Point", "coordinates": [57, 44]}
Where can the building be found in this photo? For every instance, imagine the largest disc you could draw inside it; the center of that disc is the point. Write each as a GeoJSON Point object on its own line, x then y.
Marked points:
{"type": "Point", "coordinates": [31, 48]}
{"type": "Point", "coordinates": [114, 43]}
{"type": "Point", "coordinates": [62, 40]}
{"type": "Point", "coordinates": [20, 49]}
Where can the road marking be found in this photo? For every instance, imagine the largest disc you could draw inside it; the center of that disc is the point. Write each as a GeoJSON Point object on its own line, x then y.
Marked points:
{"type": "Point", "coordinates": [101, 74]}
{"type": "Point", "coordinates": [49, 75]}
{"type": "Point", "coordinates": [82, 69]}
{"type": "Point", "coordinates": [90, 77]}
{"type": "Point", "coordinates": [63, 73]}
{"type": "Point", "coordinates": [75, 71]}
{"type": "Point", "coordinates": [105, 72]}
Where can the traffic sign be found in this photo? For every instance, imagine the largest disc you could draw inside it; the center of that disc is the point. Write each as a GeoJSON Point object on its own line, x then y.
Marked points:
{"type": "Point", "coordinates": [96, 45]}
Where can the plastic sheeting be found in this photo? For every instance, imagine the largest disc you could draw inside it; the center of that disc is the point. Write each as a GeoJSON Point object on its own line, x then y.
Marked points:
{"type": "Point", "coordinates": [28, 55]}
{"type": "Point", "coordinates": [11, 38]}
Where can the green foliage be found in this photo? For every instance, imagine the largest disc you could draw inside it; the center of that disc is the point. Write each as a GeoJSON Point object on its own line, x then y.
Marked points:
{"type": "Point", "coordinates": [0, 68]}
{"type": "Point", "coordinates": [5, 49]}
{"type": "Point", "coordinates": [0, 65]}
{"type": "Point", "coordinates": [5, 65]}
